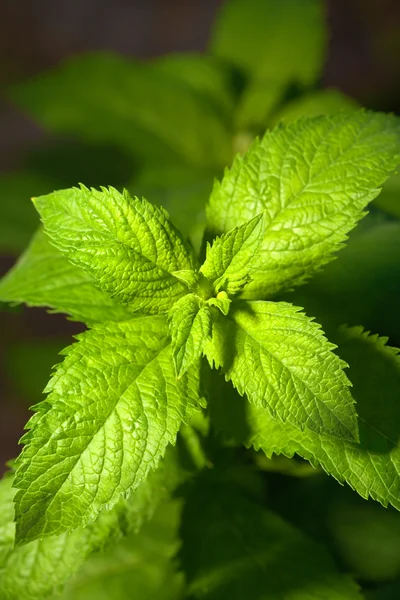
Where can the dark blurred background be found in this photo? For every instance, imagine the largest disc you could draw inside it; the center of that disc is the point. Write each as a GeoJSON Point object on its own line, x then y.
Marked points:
{"type": "Point", "coordinates": [363, 61]}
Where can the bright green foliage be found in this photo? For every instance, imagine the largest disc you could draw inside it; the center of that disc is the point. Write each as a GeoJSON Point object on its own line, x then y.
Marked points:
{"type": "Point", "coordinates": [281, 360]}
{"type": "Point", "coordinates": [40, 568]}
{"type": "Point", "coordinates": [234, 548]}
{"type": "Point", "coordinates": [124, 407]}
{"type": "Point", "coordinates": [45, 277]}
{"type": "Point", "coordinates": [128, 389]}
{"type": "Point", "coordinates": [190, 328]}
{"type": "Point", "coordinates": [140, 566]}
{"type": "Point", "coordinates": [253, 35]}
{"type": "Point", "coordinates": [221, 301]}
{"type": "Point", "coordinates": [92, 96]}
{"type": "Point", "coordinates": [372, 467]}
{"type": "Point", "coordinates": [230, 259]}
{"type": "Point", "coordinates": [6, 519]}
{"type": "Point", "coordinates": [314, 179]}
{"type": "Point", "coordinates": [127, 245]}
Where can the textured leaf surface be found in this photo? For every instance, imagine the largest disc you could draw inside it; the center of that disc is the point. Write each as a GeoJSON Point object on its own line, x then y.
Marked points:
{"type": "Point", "coordinates": [233, 548]}
{"type": "Point", "coordinates": [281, 360]}
{"type": "Point", "coordinates": [372, 468]}
{"type": "Point", "coordinates": [114, 405]}
{"type": "Point", "coordinates": [140, 566]}
{"type": "Point", "coordinates": [254, 35]}
{"type": "Point", "coordinates": [313, 178]}
{"type": "Point", "coordinates": [45, 277]}
{"type": "Point", "coordinates": [41, 568]}
{"type": "Point", "coordinates": [92, 97]}
{"type": "Point", "coordinates": [127, 245]}
{"type": "Point", "coordinates": [230, 259]}
{"type": "Point", "coordinates": [190, 328]}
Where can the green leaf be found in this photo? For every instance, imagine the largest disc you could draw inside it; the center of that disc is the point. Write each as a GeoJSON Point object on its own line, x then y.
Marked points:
{"type": "Point", "coordinates": [372, 467]}
{"type": "Point", "coordinates": [234, 548]}
{"type": "Point", "coordinates": [127, 245]}
{"type": "Point", "coordinates": [230, 259]}
{"type": "Point", "coordinates": [140, 566]}
{"type": "Point", "coordinates": [281, 360]}
{"type": "Point", "coordinates": [221, 301]}
{"type": "Point", "coordinates": [190, 328]}
{"type": "Point", "coordinates": [18, 219]}
{"type": "Point", "coordinates": [272, 40]}
{"type": "Point", "coordinates": [45, 277]}
{"type": "Point", "coordinates": [320, 102]}
{"type": "Point", "coordinates": [314, 179]}
{"type": "Point", "coordinates": [366, 536]}
{"type": "Point", "coordinates": [7, 526]}
{"type": "Point", "coordinates": [256, 104]}
{"type": "Point", "coordinates": [41, 568]}
{"type": "Point", "coordinates": [114, 405]}
{"type": "Point", "coordinates": [93, 96]}
{"type": "Point", "coordinates": [202, 73]}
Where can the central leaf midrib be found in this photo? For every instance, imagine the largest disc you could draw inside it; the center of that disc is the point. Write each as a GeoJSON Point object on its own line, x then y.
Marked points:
{"type": "Point", "coordinates": [109, 235]}
{"type": "Point", "coordinates": [292, 375]}
{"type": "Point", "coordinates": [101, 426]}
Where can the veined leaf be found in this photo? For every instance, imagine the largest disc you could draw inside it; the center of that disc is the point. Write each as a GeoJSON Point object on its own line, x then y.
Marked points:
{"type": "Point", "coordinates": [45, 277]}
{"type": "Point", "coordinates": [281, 360]}
{"type": "Point", "coordinates": [272, 40]}
{"type": "Point", "coordinates": [127, 245]}
{"type": "Point", "coordinates": [104, 97]}
{"type": "Point", "coordinates": [41, 568]}
{"type": "Point", "coordinates": [230, 259]}
{"type": "Point", "coordinates": [114, 405]}
{"type": "Point", "coordinates": [190, 328]}
{"type": "Point", "coordinates": [372, 467]}
{"type": "Point", "coordinates": [234, 548]}
{"type": "Point", "coordinates": [314, 179]}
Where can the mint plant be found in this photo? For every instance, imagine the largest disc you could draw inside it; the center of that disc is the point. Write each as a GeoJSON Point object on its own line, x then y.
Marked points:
{"type": "Point", "coordinates": [199, 350]}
